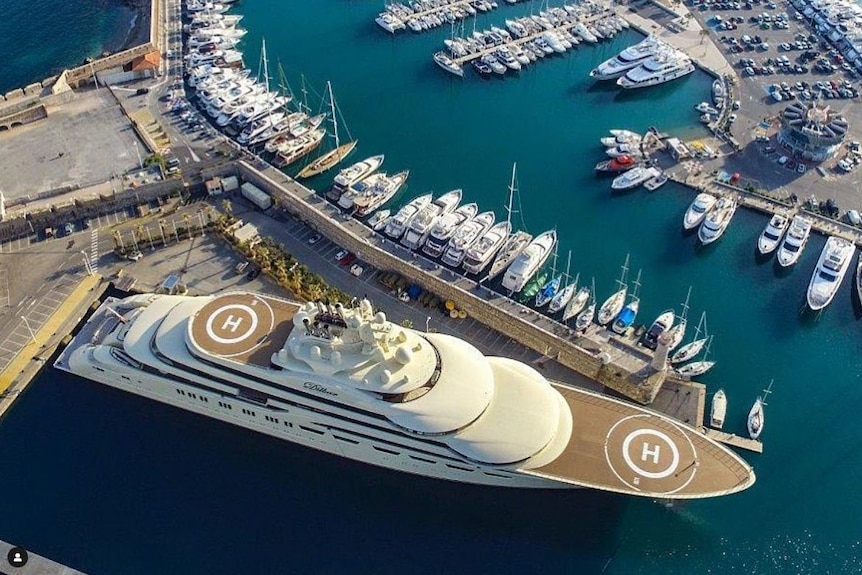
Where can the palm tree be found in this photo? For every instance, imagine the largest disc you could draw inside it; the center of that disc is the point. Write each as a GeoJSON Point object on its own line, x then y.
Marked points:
{"type": "Point", "coordinates": [227, 207]}
{"type": "Point", "coordinates": [118, 241]}
{"type": "Point", "coordinates": [187, 220]}
{"type": "Point", "coordinates": [162, 224]}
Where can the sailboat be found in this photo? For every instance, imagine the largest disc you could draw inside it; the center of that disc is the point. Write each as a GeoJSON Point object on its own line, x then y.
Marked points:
{"type": "Point", "coordinates": [549, 289]}
{"type": "Point", "coordinates": [696, 368]}
{"type": "Point", "coordinates": [333, 157]}
{"type": "Point", "coordinates": [614, 304]}
{"type": "Point", "coordinates": [563, 296]}
{"type": "Point", "coordinates": [626, 317]}
{"type": "Point", "coordinates": [677, 332]}
{"type": "Point", "coordinates": [690, 350]}
{"type": "Point", "coordinates": [756, 415]}
{"type": "Point", "coordinates": [718, 410]}
{"type": "Point", "coordinates": [515, 244]}
{"type": "Point", "coordinates": [585, 318]}
{"type": "Point", "coordinates": [578, 302]}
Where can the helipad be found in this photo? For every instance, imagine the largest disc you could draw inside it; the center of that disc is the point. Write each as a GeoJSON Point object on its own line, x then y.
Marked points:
{"type": "Point", "coordinates": [244, 327]}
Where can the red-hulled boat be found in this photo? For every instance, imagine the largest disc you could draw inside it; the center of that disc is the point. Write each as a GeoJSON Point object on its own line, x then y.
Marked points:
{"type": "Point", "coordinates": [618, 164]}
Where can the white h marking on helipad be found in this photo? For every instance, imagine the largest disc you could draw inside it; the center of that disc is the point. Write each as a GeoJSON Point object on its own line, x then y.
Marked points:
{"type": "Point", "coordinates": [231, 323]}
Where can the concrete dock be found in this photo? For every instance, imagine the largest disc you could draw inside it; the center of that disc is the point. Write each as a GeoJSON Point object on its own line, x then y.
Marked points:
{"type": "Point", "coordinates": [734, 440]}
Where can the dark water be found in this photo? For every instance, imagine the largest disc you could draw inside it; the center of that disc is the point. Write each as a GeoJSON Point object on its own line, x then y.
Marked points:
{"type": "Point", "coordinates": [40, 38]}
{"type": "Point", "coordinates": [114, 484]}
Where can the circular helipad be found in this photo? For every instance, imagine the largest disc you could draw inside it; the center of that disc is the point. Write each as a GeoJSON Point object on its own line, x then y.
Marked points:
{"type": "Point", "coordinates": [650, 454]}
{"type": "Point", "coordinates": [233, 324]}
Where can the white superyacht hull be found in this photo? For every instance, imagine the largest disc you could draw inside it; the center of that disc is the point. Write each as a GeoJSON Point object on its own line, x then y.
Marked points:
{"type": "Point", "coordinates": [320, 431]}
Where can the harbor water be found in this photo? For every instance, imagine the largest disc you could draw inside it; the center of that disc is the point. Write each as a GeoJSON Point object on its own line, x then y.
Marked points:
{"type": "Point", "coordinates": [109, 483]}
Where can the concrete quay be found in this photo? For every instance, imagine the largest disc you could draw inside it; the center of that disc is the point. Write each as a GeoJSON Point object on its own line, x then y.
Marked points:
{"type": "Point", "coordinates": [620, 366]}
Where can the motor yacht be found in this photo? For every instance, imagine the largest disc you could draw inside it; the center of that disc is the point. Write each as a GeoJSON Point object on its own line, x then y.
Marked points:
{"type": "Point", "coordinates": [465, 236]}
{"type": "Point", "coordinates": [716, 222]}
{"type": "Point", "coordinates": [662, 67]}
{"type": "Point", "coordinates": [619, 164]}
{"type": "Point", "coordinates": [629, 58]}
{"type": "Point", "coordinates": [794, 241]}
{"type": "Point", "coordinates": [486, 247]}
{"type": "Point", "coordinates": [772, 234]}
{"type": "Point", "coordinates": [718, 410]}
{"type": "Point", "coordinates": [831, 268]}
{"type": "Point", "coordinates": [445, 62]}
{"type": "Point", "coordinates": [634, 177]}
{"type": "Point", "coordinates": [445, 226]}
{"type": "Point", "coordinates": [352, 174]}
{"type": "Point", "coordinates": [379, 220]}
{"type": "Point", "coordinates": [698, 210]}
{"type": "Point", "coordinates": [662, 324]}
{"type": "Point", "coordinates": [420, 227]}
{"type": "Point", "coordinates": [529, 261]}
{"type": "Point", "coordinates": [399, 223]}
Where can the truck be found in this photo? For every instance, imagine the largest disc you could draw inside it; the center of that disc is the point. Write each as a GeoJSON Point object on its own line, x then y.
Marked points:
{"type": "Point", "coordinates": [256, 196]}
{"type": "Point", "coordinates": [229, 184]}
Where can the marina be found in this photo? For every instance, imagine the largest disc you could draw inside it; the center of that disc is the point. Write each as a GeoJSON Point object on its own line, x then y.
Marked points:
{"type": "Point", "coordinates": [735, 348]}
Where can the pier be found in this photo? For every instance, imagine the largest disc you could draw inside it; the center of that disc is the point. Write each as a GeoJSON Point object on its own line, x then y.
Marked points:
{"type": "Point", "coordinates": [734, 440]}
{"type": "Point", "coordinates": [605, 13]}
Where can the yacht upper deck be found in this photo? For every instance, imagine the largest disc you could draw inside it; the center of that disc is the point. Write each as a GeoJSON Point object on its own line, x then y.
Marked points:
{"type": "Point", "coordinates": [242, 327]}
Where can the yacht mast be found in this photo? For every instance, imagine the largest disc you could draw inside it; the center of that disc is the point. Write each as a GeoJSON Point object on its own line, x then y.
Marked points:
{"type": "Point", "coordinates": [568, 266]}
{"type": "Point", "coordinates": [511, 194]}
{"type": "Point", "coordinates": [332, 111]}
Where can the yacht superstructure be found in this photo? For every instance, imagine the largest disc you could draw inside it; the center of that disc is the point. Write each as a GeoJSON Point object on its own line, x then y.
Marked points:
{"type": "Point", "coordinates": [421, 226]}
{"type": "Point", "coordinates": [629, 58]}
{"type": "Point", "coordinates": [529, 261]}
{"type": "Point", "coordinates": [831, 268]}
{"type": "Point", "coordinates": [445, 226]}
{"type": "Point", "coordinates": [666, 65]}
{"type": "Point", "coordinates": [346, 381]}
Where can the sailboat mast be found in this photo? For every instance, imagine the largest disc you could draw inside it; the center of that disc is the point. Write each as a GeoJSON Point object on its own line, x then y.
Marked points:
{"type": "Point", "coordinates": [332, 111]}
{"type": "Point", "coordinates": [263, 58]}
{"type": "Point", "coordinates": [511, 194]}
{"type": "Point", "coordinates": [568, 267]}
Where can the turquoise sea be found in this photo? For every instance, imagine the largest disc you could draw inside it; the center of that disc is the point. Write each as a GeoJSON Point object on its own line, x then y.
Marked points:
{"type": "Point", "coordinates": [110, 483]}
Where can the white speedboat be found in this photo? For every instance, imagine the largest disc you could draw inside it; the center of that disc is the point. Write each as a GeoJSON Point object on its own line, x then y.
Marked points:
{"type": "Point", "coordinates": [629, 58]}
{"type": "Point", "coordinates": [629, 149]}
{"type": "Point", "coordinates": [420, 228]}
{"type": "Point", "coordinates": [705, 108]}
{"type": "Point", "coordinates": [718, 409]}
{"type": "Point", "coordinates": [716, 222]}
{"type": "Point", "coordinates": [465, 236]}
{"type": "Point", "coordinates": [480, 253]}
{"type": "Point", "coordinates": [794, 241]}
{"type": "Point", "coordinates": [529, 261]}
{"type": "Point", "coordinates": [350, 383]}
{"type": "Point", "coordinates": [402, 218]}
{"type": "Point", "coordinates": [831, 267]}
{"type": "Point", "coordinates": [352, 174]}
{"type": "Point", "coordinates": [634, 177]}
{"type": "Point", "coordinates": [698, 210]}
{"type": "Point", "coordinates": [379, 220]}
{"type": "Point", "coordinates": [445, 226]}
{"type": "Point", "coordinates": [666, 65]}
{"type": "Point", "coordinates": [389, 22]}
{"type": "Point", "coordinates": [623, 137]}
{"type": "Point", "coordinates": [772, 234]}
{"type": "Point", "coordinates": [662, 323]}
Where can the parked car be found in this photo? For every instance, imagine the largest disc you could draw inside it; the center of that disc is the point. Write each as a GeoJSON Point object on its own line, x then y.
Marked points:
{"type": "Point", "coordinates": [134, 256]}
{"type": "Point", "coordinates": [252, 273]}
{"type": "Point", "coordinates": [341, 254]}
{"type": "Point", "coordinates": [314, 239]}
{"type": "Point", "coordinates": [142, 91]}
{"type": "Point", "coordinates": [348, 259]}
{"type": "Point", "coordinates": [356, 270]}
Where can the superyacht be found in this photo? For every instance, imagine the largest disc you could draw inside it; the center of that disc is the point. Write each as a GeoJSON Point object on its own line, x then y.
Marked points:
{"type": "Point", "coordinates": [663, 67]}
{"type": "Point", "coordinates": [465, 237]}
{"type": "Point", "coordinates": [629, 58]}
{"type": "Point", "coordinates": [401, 220]}
{"type": "Point", "coordinates": [345, 381]}
{"type": "Point", "coordinates": [831, 268]}
{"type": "Point", "coordinates": [352, 174]}
{"type": "Point", "coordinates": [486, 247]}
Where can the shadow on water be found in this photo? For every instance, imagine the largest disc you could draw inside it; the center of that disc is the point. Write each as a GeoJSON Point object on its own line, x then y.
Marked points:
{"type": "Point", "coordinates": [139, 466]}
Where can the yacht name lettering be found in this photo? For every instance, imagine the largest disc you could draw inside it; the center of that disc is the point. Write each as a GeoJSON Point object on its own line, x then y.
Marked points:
{"type": "Point", "coordinates": [317, 387]}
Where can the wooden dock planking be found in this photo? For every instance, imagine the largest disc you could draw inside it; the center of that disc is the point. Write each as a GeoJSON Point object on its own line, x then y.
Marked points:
{"type": "Point", "coordinates": [734, 440]}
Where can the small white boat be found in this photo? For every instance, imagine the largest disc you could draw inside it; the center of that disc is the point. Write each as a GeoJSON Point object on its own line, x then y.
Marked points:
{"type": "Point", "coordinates": [585, 318]}
{"type": "Point", "coordinates": [696, 368]}
{"type": "Point", "coordinates": [577, 303]}
{"type": "Point", "coordinates": [691, 349]}
{"type": "Point", "coordinates": [756, 417]}
{"type": "Point", "coordinates": [656, 182]}
{"type": "Point", "coordinates": [378, 220]}
{"type": "Point", "coordinates": [794, 241]}
{"type": "Point", "coordinates": [634, 177]}
{"type": "Point", "coordinates": [705, 108]}
{"type": "Point", "coordinates": [448, 64]}
{"type": "Point", "coordinates": [698, 210]}
{"type": "Point", "coordinates": [562, 297]}
{"type": "Point", "coordinates": [772, 234]}
{"type": "Point", "coordinates": [718, 410]}
{"type": "Point", "coordinates": [831, 267]}
{"type": "Point", "coordinates": [662, 323]}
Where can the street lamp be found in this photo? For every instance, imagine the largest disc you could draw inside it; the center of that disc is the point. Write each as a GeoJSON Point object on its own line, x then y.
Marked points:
{"type": "Point", "coordinates": [427, 322]}
{"type": "Point", "coordinates": [30, 329]}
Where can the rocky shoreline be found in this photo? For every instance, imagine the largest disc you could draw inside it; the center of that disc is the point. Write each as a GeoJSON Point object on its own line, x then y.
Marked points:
{"type": "Point", "coordinates": [139, 31]}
